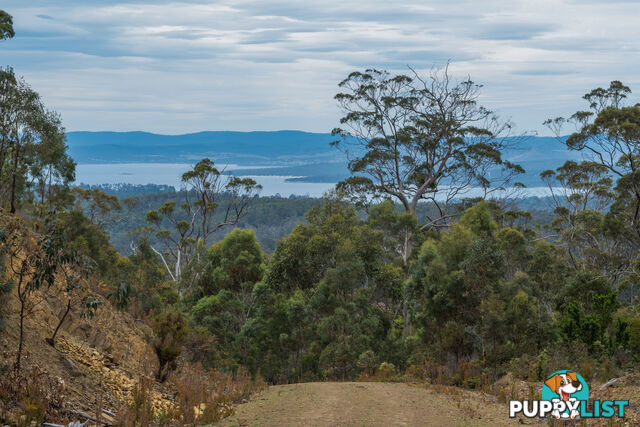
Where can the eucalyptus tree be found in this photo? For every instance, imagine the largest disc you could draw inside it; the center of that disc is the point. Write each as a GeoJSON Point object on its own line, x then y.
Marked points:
{"type": "Point", "coordinates": [212, 200]}
{"type": "Point", "coordinates": [608, 133]}
{"type": "Point", "coordinates": [52, 169]}
{"type": "Point", "coordinates": [576, 187]}
{"type": "Point", "coordinates": [205, 187]}
{"type": "Point", "coordinates": [38, 265]}
{"type": "Point", "coordinates": [583, 193]}
{"type": "Point", "coordinates": [412, 138]}
{"type": "Point", "coordinates": [98, 205]}
{"type": "Point", "coordinates": [32, 145]}
{"type": "Point", "coordinates": [6, 26]}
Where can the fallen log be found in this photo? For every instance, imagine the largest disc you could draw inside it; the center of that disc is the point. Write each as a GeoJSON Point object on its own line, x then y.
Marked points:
{"type": "Point", "coordinates": [109, 413]}
{"type": "Point", "coordinates": [90, 418]}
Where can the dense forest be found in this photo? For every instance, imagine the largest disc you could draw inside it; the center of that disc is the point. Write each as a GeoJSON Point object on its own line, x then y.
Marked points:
{"type": "Point", "coordinates": [270, 217]}
{"type": "Point", "coordinates": [392, 272]}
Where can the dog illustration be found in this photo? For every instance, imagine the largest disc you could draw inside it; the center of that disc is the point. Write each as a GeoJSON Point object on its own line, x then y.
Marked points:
{"type": "Point", "coordinates": [564, 385]}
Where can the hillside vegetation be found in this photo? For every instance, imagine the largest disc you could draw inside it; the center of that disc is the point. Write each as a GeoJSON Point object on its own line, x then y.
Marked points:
{"type": "Point", "coordinates": [271, 218]}
{"type": "Point", "coordinates": [393, 276]}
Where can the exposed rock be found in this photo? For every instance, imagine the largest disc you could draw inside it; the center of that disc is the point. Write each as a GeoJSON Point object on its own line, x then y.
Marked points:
{"type": "Point", "coordinates": [70, 367]}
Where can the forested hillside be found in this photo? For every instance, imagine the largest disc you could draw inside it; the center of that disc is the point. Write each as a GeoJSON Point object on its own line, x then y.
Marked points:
{"type": "Point", "coordinates": [271, 218]}
{"type": "Point", "coordinates": [215, 292]}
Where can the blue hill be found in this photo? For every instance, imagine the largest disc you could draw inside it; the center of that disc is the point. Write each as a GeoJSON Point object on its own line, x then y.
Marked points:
{"type": "Point", "coordinates": [284, 153]}
{"type": "Point", "coordinates": [119, 147]}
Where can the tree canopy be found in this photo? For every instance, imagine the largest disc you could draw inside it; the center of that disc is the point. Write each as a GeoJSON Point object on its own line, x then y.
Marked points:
{"type": "Point", "coordinates": [420, 138]}
{"type": "Point", "coordinates": [6, 26]}
{"type": "Point", "coordinates": [32, 148]}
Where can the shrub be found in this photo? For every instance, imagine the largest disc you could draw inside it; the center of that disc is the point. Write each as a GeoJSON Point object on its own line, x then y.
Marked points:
{"type": "Point", "coordinates": [367, 362]}
{"type": "Point", "coordinates": [139, 412]}
{"type": "Point", "coordinates": [121, 295]}
{"type": "Point", "coordinates": [385, 371]}
{"type": "Point", "coordinates": [417, 373]}
{"type": "Point", "coordinates": [170, 329]}
{"type": "Point", "coordinates": [35, 394]}
{"type": "Point", "coordinates": [205, 397]}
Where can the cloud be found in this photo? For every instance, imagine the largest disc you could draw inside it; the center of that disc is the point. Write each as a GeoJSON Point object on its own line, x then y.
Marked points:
{"type": "Point", "coordinates": [185, 65]}
{"type": "Point", "coordinates": [512, 31]}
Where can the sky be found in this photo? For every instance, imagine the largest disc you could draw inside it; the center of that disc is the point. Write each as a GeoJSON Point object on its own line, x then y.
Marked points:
{"type": "Point", "coordinates": [179, 67]}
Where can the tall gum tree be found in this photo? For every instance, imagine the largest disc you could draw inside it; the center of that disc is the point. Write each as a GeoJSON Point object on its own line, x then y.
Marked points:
{"type": "Point", "coordinates": [212, 200]}
{"type": "Point", "coordinates": [32, 145]}
{"type": "Point", "coordinates": [412, 138]}
{"type": "Point", "coordinates": [608, 133]}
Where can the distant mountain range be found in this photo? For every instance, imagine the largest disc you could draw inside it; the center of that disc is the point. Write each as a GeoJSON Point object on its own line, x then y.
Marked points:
{"type": "Point", "coordinates": [249, 148]}
{"type": "Point", "coordinates": [284, 153]}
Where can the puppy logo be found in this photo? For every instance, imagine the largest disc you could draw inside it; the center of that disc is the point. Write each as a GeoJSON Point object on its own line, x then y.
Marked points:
{"type": "Point", "coordinates": [567, 387]}
{"type": "Point", "coordinates": [565, 394]}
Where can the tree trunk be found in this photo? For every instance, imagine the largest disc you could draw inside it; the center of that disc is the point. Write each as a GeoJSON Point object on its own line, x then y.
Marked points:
{"type": "Point", "coordinates": [407, 247]}
{"type": "Point", "coordinates": [52, 340]}
{"type": "Point", "coordinates": [406, 255]}
{"type": "Point", "coordinates": [2, 157]}
{"type": "Point", "coordinates": [13, 181]}
{"type": "Point", "coordinates": [21, 297]}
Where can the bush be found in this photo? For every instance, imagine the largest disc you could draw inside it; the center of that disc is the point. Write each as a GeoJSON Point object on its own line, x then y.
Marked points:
{"type": "Point", "coordinates": [417, 373]}
{"type": "Point", "coordinates": [385, 371]}
{"type": "Point", "coordinates": [170, 329]}
{"type": "Point", "coordinates": [205, 397]}
{"type": "Point", "coordinates": [367, 362]}
{"type": "Point", "coordinates": [140, 411]}
{"type": "Point", "coordinates": [35, 394]}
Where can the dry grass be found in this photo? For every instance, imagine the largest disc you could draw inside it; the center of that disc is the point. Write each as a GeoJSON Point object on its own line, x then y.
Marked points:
{"type": "Point", "coordinates": [201, 397]}
{"type": "Point", "coordinates": [371, 402]}
{"type": "Point", "coordinates": [367, 403]}
{"type": "Point", "coordinates": [30, 397]}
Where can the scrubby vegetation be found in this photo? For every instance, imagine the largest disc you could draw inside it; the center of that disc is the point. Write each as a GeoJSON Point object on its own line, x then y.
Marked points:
{"type": "Point", "coordinates": [373, 284]}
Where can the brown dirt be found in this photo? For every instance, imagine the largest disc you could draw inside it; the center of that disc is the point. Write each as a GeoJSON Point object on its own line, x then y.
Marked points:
{"type": "Point", "coordinates": [99, 358]}
{"type": "Point", "coordinates": [367, 404]}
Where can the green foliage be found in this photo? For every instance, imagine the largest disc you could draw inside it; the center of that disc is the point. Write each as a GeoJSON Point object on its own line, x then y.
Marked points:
{"type": "Point", "coordinates": [367, 362]}
{"type": "Point", "coordinates": [478, 219]}
{"type": "Point", "coordinates": [121, 295]}
{"type": "Point", "coordinates": [182, 231]}
{"type": "Point", "coordinates": [223, 291]}
{"type": "Point", "coordinates": [170, 330]}
{"type": "Point", "coordinates": [456, 301]}
{"type": "Point", "coordinates": [415, 133]}
{"type": "Point", "coordinates": [6, 26]}
{"type": "Point", "coordinates": [83, 236]}
{"type": "Point", "coordinates": [35, 169]}
{"type": "Point", "coordinates": [222, 315]}
{"type": "Point", "coordinates": [237, 261]}
{"type": "Point", "coordinates": [326, 305]}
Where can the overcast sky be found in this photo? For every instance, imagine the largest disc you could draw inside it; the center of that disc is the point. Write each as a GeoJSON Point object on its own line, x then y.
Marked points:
{"type": "Point", "coordinates": [172, 67]}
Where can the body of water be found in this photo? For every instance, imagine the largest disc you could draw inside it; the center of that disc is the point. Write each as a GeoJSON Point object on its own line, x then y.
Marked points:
{"type": "Point", "coordinates": [170, 174]}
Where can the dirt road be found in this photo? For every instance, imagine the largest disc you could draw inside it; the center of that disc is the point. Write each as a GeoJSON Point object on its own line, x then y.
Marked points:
{"type": "Point", "coordinates": [367, 404]}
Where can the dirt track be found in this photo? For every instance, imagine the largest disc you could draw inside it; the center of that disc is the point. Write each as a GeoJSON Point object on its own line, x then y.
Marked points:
{"type": "Point", "coordinates": [366, 404]}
